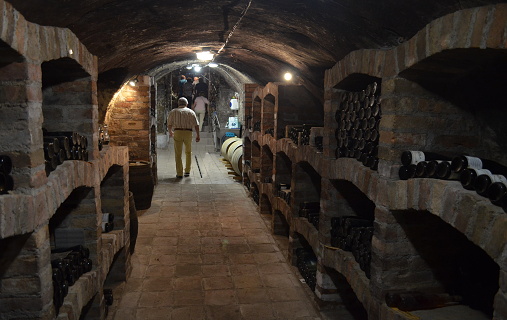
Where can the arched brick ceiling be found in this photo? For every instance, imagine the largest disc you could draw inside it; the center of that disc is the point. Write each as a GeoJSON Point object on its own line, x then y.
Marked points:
{"type": "Point", "coordinates": [308, 36]}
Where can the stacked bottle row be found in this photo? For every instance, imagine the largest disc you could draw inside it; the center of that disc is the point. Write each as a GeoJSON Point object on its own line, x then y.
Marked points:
{"type": "Point", "coordinates": [68, 265]}
{"type": "Point", "coordinates": [310, 211]}
{"type": "Point", "coordinates": [107, 222]}
{"type": "Point", "coordinates": [6, 181]}
{"type": "Point", "coordinates": [417, 300]}
{"type": "Point", "coordinates": [358, 117]}
{"type": "Point", "coordinates": [282, 190]}
{"type": "Point", "coordinates": [104, 137]}
{"type": "Point", "coordinates": [255, 195]}
{"type": "Point", "coordinates": [486, 177]}
{"type": "Point", "coordinates": [354, 234]}
{"type": "Point", "coordinates": [108, 299]}
{"type": "Point", "coordinates": [61, 146]}
{"type": "Point", "coordinates": [270, 131]}
{"type": "Point", "coordinates": [306, 262]}
{"type": "Point", "coordinates": [300, 135]}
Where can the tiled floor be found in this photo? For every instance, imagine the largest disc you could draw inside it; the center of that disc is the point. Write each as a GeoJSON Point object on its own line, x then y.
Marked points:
{"type": "Point", "coordinates": [204, 252]}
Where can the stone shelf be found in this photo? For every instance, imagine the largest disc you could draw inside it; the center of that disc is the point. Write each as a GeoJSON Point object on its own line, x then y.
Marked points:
{"type": "Point", "coordinates": [89, 283]}
{"type": "Point", "coordinates": [21, 213]}
{"type": "Point", "coordinates": [308, 231]}
{"type": "Point", "coordinates": [344, 263]}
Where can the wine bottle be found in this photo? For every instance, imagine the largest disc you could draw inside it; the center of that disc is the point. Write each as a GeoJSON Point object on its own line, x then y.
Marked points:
{"type": "Point", "coordinates": [460, 163]}
{"type": "Point", "coordinates": [107, 217]}
{"type": "Point", "coordinates": [483, 182]}
{"type": "Point", "coordinates": [407, 172]}
{"type": "Point", "coordinates": [108, 296]}
{"type": "Point", "coordinates": [413, 157]}
{"type": "Point", "coordinates": [5, 164]}
{"type": "Point", "coordinates": [6, 183]}
{"type": "Point", "coordinates": [420, 170]}
{"type": "Point", "coordinates": [469, 175]}
{"type": "Point", "coordinates": [496, 191]}
{"type": "Point", "coordinates": [411, 300]}
{"type": "Point", "coordinates": [444, 171]}
{"type": "Point", "coordinates": [431, 168]}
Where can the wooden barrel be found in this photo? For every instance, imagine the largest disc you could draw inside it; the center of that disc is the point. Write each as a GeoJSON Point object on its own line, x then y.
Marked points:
{"type": "Point", "coordinates": [237, 160]}
{"type": "Point", "coordinates": [141, 183]}
{"type": "Point", "coordinates": [232, 148]}
{"type": "Point", "coordinates": [134, 223]}
{"type": "Point", "coordinates": [225, 146]}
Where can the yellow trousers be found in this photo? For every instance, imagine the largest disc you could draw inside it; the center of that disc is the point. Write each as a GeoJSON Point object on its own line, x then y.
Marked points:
{"type": "Point", "coordinates": [182, 137]}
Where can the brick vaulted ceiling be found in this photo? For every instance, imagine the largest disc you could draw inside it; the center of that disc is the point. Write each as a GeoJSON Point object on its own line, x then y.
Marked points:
{"type": "Point", "coordinates": [308, 36]}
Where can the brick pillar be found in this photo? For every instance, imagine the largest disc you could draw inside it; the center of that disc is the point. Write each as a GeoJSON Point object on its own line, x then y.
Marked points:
{"type": "Point", "coordinates": [129, 120]}
{"type": "Point", "coordinates": [26, 290]}
{"type": "Point", "coordinates": [332, 99]}
{"type": "Point", "coordinates": [266, 164]}
{"type": "Point", "coordinates": [21, 122]}
{"type": "Point", "coordinates": [268, 113]}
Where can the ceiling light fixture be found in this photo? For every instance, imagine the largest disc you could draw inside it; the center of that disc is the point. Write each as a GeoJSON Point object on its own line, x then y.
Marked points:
{"type": "Point", "coordinates": [132, 82]}
{"type": "Point", "coordinates": [287, 76]}
{"type": "Point", "coordinates": [213, 65]}
{"type": "Point", "coordinates": [197, 68]}
{"type": "Point", "coordinates": [204, 55]}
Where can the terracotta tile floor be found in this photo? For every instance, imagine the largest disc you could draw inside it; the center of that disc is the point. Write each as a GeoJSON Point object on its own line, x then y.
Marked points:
{"type": "Point", "coordinates": [204, 252]}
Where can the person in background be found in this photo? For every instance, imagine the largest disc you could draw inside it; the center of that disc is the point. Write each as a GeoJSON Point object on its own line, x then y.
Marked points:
{"type": "Point", "coordinates": [201, 87]}
{"type": "Point", "coordinates": [199, 107]}
{"type": "Point", "coordinates": [181, 82]}
{"type": "Point", "coordinates": [180, 123]}
{"type": "Point", "coordinates": [188, 89]}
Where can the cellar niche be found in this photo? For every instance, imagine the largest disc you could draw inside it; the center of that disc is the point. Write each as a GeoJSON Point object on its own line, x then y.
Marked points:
{"type": "Point", "coordinates": [247, 150]}
{"type": "Point", "coordinates": [255, 192]}
{"type": "Point", "coordinates": [280, 225]}
{"type": "Point", "coordinates": [306, 192]}
{"type": "Point", "coordinates": [303, 257]}
{"type": "Point", "coordinates": [266, 164]}
{"type": "Point", "coordinates": [26, 275]}
{"type": "Point", "coordinates": [268, 114]}
{"type": "Point", "coordinates": [433, 257]}
{"type": "Point", "coordinates": [112, 199]}
{"type": "Point", "coordinates": [283, 176]}
{"type": "Point", "coordinates": [68, 106]}
{"type": "Point", "coordinates": [256, 113]}
{"type": "Point", "coordinates": [344, 303]}
{"type": "Point", "coordinates": [470, 79]}
{"type": "Point", "coordinates": [296, 106]}
{"type": "Point", "coordinates": [15, 121]}
{"type": "Point", "coordinates": [256, 157]}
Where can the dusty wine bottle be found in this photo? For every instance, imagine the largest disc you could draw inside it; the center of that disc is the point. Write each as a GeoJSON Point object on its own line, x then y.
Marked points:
{"type": "Point", "coordinates": [407, 172]}
{"type": "Point", "coordinates": [107, 217]}
{"type": "Point", "coordinates": [483, 182]}
{"type": "Point", "coordinates": [6, 183]}
{"type": "Point", "coordinates": [460, 163]}
{"type": "Point", "coordinates": [413, 157]}
{"type": "Point", "coordinates": [444, 171]}
{"type": "Point", "coordinates": [496, 191]}
{"type": "Point", "coordinates": [469, 175]}
{"type": "Point", "coordinates": [5, 164]}
{"type": "Point", "coordinates": [420, 170]}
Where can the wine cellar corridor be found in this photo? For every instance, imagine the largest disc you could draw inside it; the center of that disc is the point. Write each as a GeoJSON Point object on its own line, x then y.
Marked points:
{"type": "Point", "coordinates": [351, 162]}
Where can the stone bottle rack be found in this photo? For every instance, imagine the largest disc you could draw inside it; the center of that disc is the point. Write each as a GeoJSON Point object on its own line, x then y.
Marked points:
{"type": "Point", "coordinates": [416, 115]}
{"type": "Point", "coordinates": [48, 79]}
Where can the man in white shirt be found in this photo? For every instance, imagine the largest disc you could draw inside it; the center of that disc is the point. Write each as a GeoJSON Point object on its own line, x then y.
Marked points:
{"type": "Point", "coordinates": [180, 122]}
{"type": "Point", "coordinates": [199, 108]}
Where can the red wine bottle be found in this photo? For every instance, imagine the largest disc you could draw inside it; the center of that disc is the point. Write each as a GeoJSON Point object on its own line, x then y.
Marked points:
{"type": "Point", "coordinates": [483, 182]}
{"type": "Point", "coordinates": [420, 170]}
{"type": "Point", "coordinates": [5, 164]}
{"type": "Point", "coordinates": [6, 183]}
{"type": "Point", "coordinates": [496, 191]}
{"type": "Point", "coordinates": [414, 157]}
{"type": "Point", "coordinates": [407, 172]}
{"type": "Point", "coordinates": [444, 171]}
{"type": "Point", "coordinates": [469, 175]}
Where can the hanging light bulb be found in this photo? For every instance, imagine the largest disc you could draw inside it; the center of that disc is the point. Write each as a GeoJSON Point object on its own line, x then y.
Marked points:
{"type": "Point", "coordinates": [213, 65]}
{"type": "Point", "coordinates": [287, 76]}
{"type": "Point", "coordinates": [197, 68]}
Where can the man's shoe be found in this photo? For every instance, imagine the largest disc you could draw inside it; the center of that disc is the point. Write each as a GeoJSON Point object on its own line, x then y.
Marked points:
{"type": "Point", "coordinates": [187, 174]}
{"type": "Point", "coordinates": [179, 177]}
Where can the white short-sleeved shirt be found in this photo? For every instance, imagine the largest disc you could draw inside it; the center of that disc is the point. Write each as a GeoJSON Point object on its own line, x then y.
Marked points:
{"type": "Point", "coordinates": [182, 118]}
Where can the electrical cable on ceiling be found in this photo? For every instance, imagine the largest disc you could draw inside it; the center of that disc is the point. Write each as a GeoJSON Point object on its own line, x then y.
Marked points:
{"type": "Point", "coordinates": [235, 26]}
